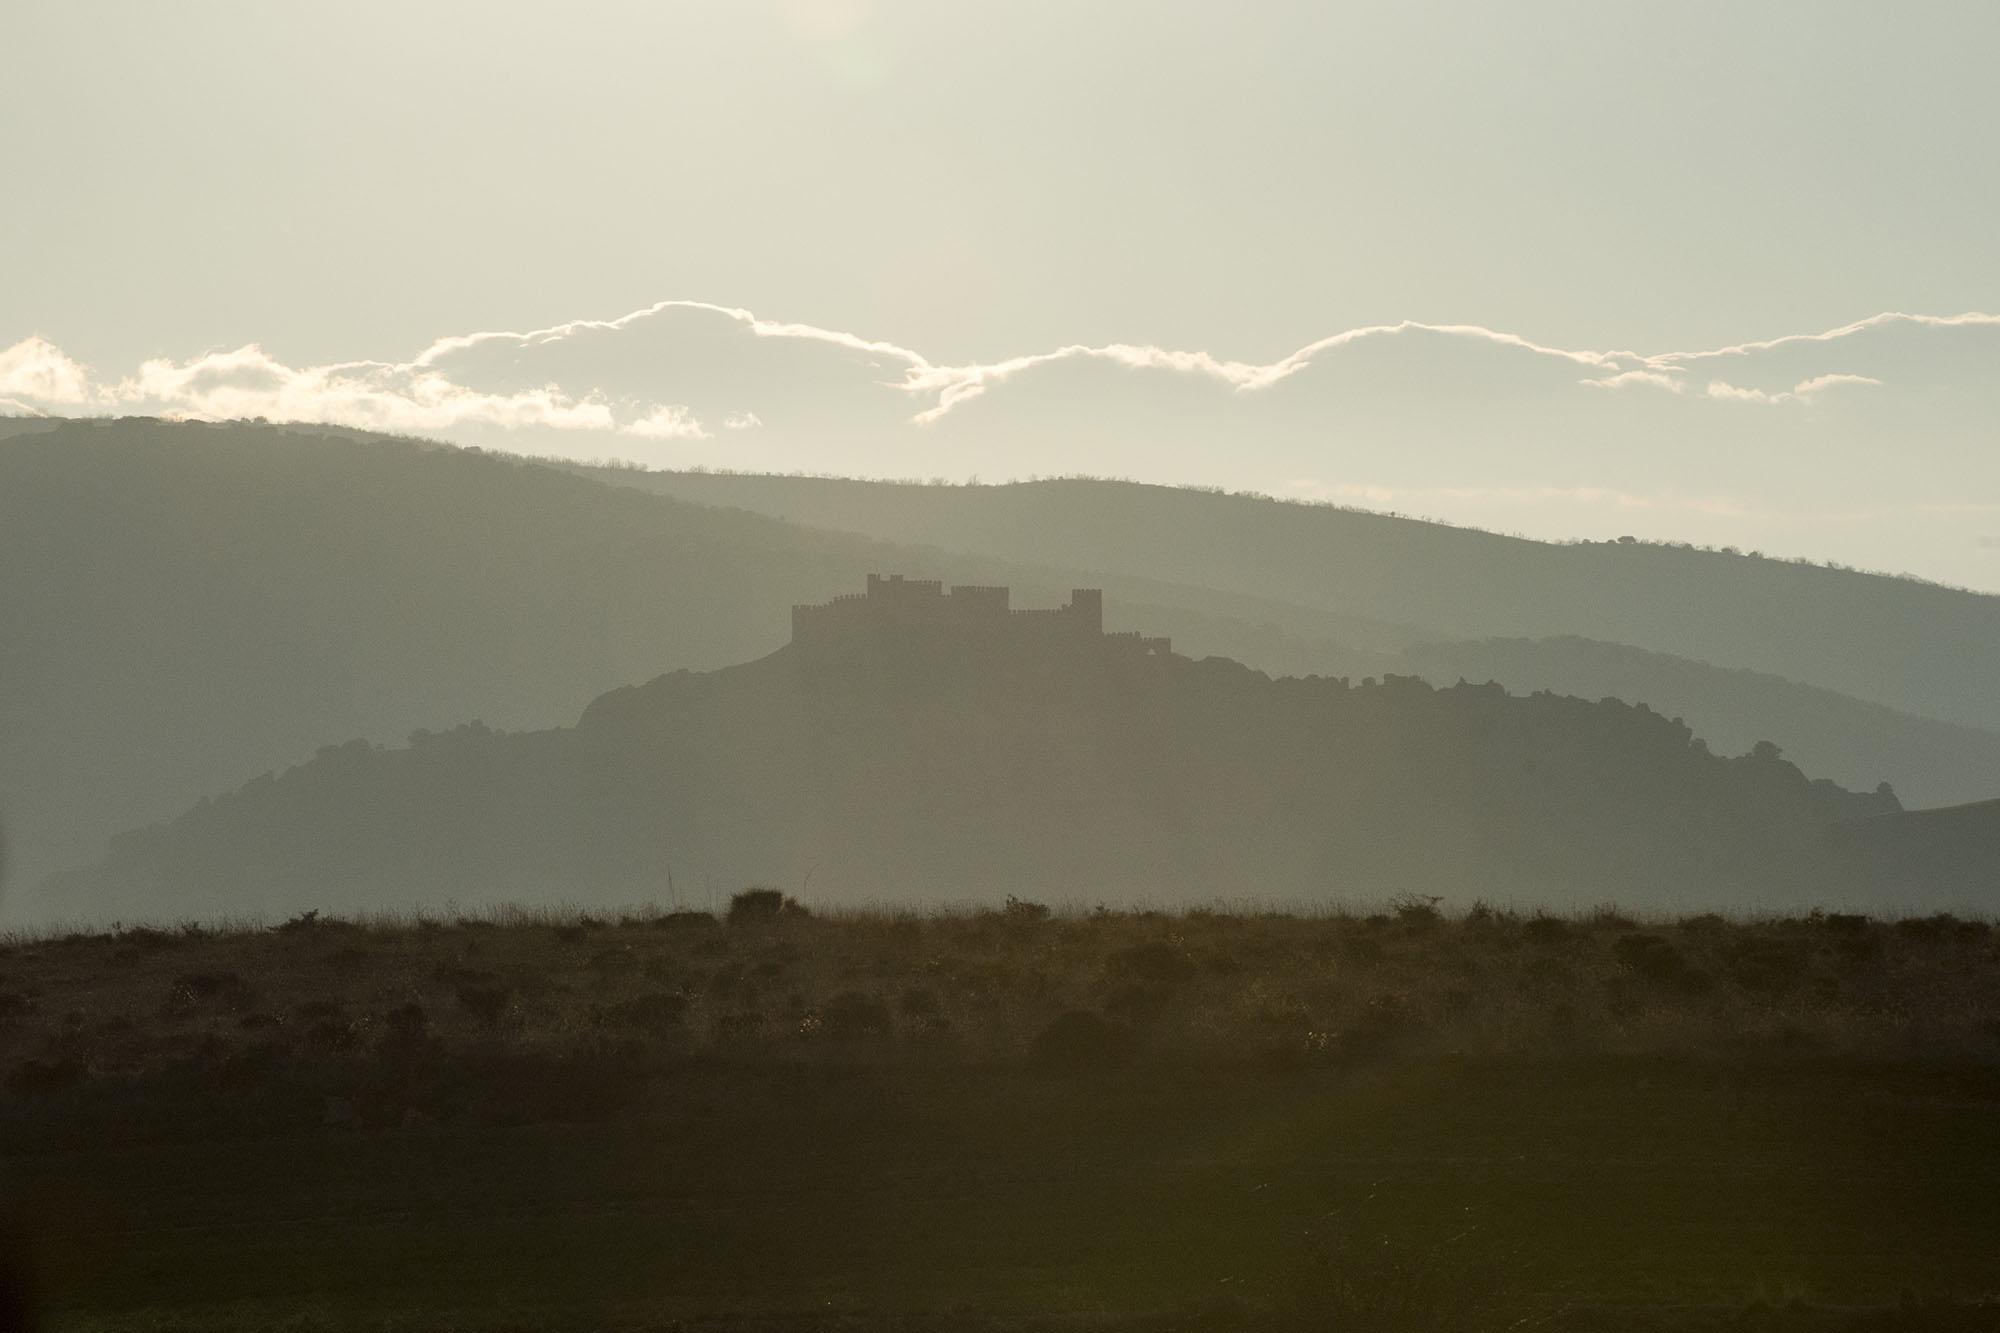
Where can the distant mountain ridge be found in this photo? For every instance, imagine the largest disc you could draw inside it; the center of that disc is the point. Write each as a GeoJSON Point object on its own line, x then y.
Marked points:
{"type": "Point", "coordinates": [184, 604]}
{"type": "Point", "coordinates": [916, 751]}
{"type": "Point", "coordinates": [1913, 646]}
{"type": "Point", "coordinates": [187, 605]}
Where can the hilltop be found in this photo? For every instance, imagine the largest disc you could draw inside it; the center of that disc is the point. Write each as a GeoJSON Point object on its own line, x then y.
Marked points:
{"type": "Point", "coordinates": [922, 746]}
{"type": "Point", "coordinates": [187, 606]}
{"type": "Point", "coordinates": [1913, 646]}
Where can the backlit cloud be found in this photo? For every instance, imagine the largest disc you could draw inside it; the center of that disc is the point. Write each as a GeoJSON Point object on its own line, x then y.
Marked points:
{"type": "Point", "coordinates": [36, 371]}
{"type": "Point", "coordinates": [642, 374]}
{"type": "Point", "coordinates": [1802, 392]}
{"type": "Point", "coordinates": [1460, 421]}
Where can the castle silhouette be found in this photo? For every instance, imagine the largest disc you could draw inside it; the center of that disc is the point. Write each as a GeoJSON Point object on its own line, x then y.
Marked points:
{"type": "Point", "coordinates": [896, 609]}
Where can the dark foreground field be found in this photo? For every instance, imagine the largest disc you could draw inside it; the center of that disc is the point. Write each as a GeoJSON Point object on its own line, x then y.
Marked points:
{"type": "Point", "coordinates": [1007, 1121]}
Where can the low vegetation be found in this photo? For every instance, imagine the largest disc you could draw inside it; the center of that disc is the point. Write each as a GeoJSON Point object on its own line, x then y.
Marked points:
{"type": "Point", "coordinates": [385, 1019]}
{"type": "Point", "coordinates": [769, 1117]}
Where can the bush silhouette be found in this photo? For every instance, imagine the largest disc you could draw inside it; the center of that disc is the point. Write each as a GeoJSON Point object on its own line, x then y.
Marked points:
{"type": "Point", "coordinates": [762, 905]}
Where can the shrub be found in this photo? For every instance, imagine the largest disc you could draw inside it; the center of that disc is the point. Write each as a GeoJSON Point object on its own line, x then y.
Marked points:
{"type": "Point", "coordinates": [1077, 1042]}
{"type": "Point", "coordinates": [405, 1030]}
{"type": "Point", "coordinates": [686, 920]}
{"type": "Point", "coordinates": [1419, 911]}
{"type": "Point", "coordinates": [1545, 930]}
{"type": "Point", "coordinates": [1939, 926]}
{"type": "Point", "coordinates": [760, 905]}
{"type": "Point", "coordinates": [485, 1001]}
{"type": "Point", "coordinates": [1382, 1022]}
{"type": "Point", "coordinates": [852, 1014]}
{"type": "Point", "coordinates": [1654, 958]}
{"type": "Point", "coordinates": [191, 990]}
{"type": "Point", "coordinates": [1154, 962]}
{"type": "Point", "coordinates": [1767, 967]}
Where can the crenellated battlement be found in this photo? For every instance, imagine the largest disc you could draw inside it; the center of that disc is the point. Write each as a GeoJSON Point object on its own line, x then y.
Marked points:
{"type": "Point", "coordinates": [894, 605]}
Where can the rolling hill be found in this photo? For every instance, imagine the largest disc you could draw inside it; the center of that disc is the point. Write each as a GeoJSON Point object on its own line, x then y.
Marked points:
{"type": "Point", "coordinates": [1853, 742]}
{"type": "Point", "coordinates": [190, 605]}
{"type": "Point", "coordinates": [187, 605]}
{"type": "Point", "coordinates": [1913, 646]}
{"type": "Point", "coordinates": [916, 768]}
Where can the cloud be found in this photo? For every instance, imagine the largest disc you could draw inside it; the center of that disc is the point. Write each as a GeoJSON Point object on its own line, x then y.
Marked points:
{"type": "Point", "coordinates": [1807, 388]}
{"type": "Point", "coordinates": [952, 386]}
{"type": "Point", "coordinates": [1885, 320]}
{"type": "Point", "coordinates": [659, 372]}
{"type": "Point", "coordinates": [1802, 392]}
{"type": "Point", "coordinates": [36, 370]}
{"type": "Point", "coordinates": [249, 382]}
{"type": "Point", "coordinates": [667, 423]}
{"type": "Point", "coordinates": [1464, 421]}
{"type": "Point", "coordinates": [1658, 379]}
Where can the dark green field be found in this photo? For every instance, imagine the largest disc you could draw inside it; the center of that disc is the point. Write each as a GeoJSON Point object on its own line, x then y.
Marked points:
{"type": "Point", "coordinates": [1396, 1122]}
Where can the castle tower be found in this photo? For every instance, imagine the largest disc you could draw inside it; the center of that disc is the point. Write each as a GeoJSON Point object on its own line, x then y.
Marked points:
{"type": "Point", "coordinates": [1087, 605]}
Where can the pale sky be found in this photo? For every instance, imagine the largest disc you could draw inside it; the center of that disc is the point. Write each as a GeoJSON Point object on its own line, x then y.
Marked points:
{"type": "Point", "coordinates": [946, 196]}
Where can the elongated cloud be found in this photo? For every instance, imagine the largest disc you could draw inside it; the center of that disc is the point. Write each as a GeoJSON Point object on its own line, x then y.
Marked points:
{"type": "Point", "coordinates": [1802, 392]}
{"type": "Point", "coordinates": [1885, 320]}
{"type": "Point", "coordinates": [638, 374]}
{"type": "Point", "coordinates": [1471, 423]}
{"type": "Point", "coordinates": [248, 382]}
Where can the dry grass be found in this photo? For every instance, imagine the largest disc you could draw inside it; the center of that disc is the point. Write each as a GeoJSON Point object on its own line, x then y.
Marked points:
{"type": "Point", "coordinates": [248, 1007]}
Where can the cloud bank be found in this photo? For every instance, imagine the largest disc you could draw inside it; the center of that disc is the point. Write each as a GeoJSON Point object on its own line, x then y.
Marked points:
{"type": "Point", "coordinates": [641, 373]}
{"type": "Point", "coordinates": [1878, 417]}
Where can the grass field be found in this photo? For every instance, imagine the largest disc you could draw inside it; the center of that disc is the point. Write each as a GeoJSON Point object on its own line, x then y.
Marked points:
{"type": "Point", "coordinates": [1010, 1121]}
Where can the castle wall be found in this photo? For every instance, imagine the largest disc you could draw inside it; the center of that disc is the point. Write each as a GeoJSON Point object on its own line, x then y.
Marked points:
{"type": "Point", "coordinates": [893, 604]}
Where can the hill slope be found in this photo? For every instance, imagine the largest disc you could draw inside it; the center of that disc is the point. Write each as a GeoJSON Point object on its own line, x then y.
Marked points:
{"type": "Point", "coordinates": [1856, 744]}
{"type": "Point", "coordinates": [185, 605]}
{"type": "Point", "coordinates": [1913, 646]}
{"type": "Point", "coordinates": [941, 771]}
{"type": "Point", "coordinates": [188, 605]}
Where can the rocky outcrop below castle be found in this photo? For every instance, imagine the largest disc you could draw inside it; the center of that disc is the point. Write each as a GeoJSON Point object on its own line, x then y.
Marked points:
{"type": "Point", "coordinates": [951, 770]}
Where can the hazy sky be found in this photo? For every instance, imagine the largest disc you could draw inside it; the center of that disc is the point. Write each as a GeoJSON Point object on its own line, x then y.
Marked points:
{"type": "Point", "coordinates": [959, 186]}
